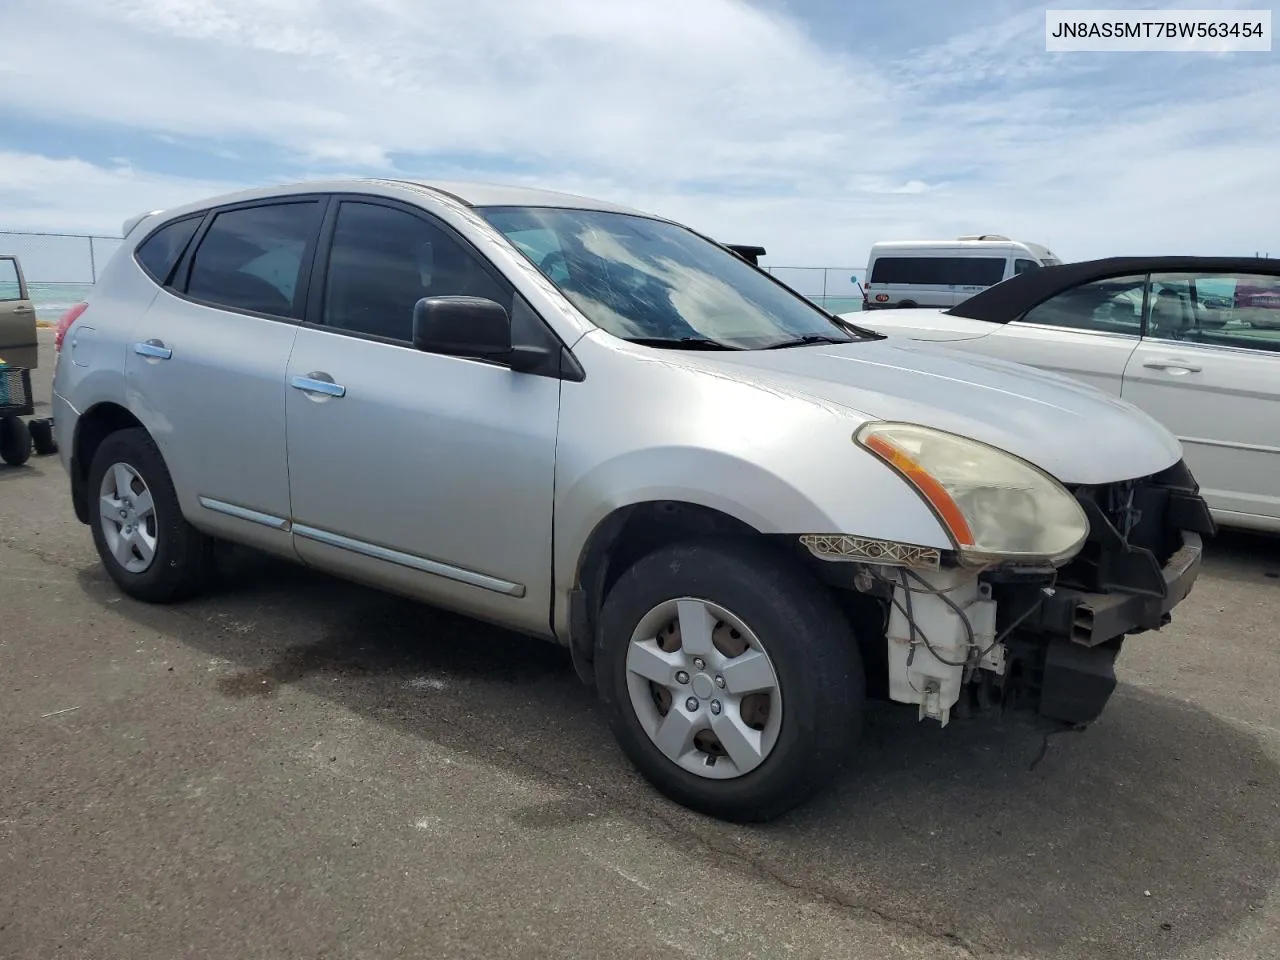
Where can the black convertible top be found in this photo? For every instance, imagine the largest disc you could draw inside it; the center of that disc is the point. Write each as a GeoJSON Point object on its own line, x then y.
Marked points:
{"type": "Point", "coordinates": [1010, 299]}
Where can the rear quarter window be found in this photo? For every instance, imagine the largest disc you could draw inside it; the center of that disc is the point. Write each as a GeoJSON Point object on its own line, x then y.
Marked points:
{"type": "Point", "coordinates": [159, 253]}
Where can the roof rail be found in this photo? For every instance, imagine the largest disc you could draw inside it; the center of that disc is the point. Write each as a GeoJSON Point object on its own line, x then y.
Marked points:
{"type": "Point", "coordinates": [982, 236]}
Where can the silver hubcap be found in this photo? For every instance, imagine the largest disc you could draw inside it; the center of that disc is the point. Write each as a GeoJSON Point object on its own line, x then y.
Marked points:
{"type": "Point", "coordinates": [703, 688]}
{"type": "Point", "coordinates": [128, 517]}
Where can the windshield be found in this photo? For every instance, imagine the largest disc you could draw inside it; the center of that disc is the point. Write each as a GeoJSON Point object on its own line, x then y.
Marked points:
{"type": "Point", "coordinates": [653, 282]}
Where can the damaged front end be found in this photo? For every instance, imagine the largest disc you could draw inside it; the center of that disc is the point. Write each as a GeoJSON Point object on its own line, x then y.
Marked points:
{"type": "Point", "coordinates": [963, 638]}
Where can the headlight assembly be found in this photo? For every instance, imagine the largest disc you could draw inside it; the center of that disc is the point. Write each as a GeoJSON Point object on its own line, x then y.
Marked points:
{"type": "Point", "coordinates": [995, 506]}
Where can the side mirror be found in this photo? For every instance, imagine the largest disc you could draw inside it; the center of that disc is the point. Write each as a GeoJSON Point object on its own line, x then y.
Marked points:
{"type": "Point", "coordinates": [462, 327]}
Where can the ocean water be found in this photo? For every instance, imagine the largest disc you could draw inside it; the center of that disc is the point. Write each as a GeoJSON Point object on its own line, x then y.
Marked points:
{"type": "Point", "coordinates": [52, 300]}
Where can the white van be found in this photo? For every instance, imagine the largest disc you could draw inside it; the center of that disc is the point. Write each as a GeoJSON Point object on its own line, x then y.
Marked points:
{"type": "Point", "coordinates": [942, 273]}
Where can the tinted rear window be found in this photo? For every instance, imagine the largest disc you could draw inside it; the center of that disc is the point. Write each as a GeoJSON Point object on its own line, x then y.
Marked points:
{"type": "Point", "coordinates": [961, 271]}
{"type": "Point", "coordinates": [160, 251]}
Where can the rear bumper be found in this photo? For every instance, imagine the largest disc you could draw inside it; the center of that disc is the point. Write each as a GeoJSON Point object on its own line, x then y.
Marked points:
{"type": "Point", "coordinates": [64, 417]}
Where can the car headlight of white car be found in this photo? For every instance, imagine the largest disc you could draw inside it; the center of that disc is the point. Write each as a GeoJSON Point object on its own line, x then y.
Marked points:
{"type": "Point", "coordinates": [995, 506]}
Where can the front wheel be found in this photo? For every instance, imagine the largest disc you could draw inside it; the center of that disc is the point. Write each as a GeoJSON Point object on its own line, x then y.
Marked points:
{"type": "Point", "coordinates": [730, 678]}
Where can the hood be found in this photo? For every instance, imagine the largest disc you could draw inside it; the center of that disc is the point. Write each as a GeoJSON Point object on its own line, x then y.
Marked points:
{"type": "Point", "coordinates": [1074, 432]}
{"type": "Point", "coordinates": [922, 323]}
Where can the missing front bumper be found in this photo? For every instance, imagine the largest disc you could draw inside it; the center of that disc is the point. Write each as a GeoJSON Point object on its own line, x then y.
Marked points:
{"type": "Point", "coordinates": [1091, 619]}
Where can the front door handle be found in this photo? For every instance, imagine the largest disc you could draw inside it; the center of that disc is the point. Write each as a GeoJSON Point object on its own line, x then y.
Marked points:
{"type": "Point", "coordinates": [153, 349]}
{"type": "Point", "coordinates": [318, 383]}
{"type": "Point", "coordinates": [23, 308]}
{"type": "Point", "coordinates": [1171, 365]}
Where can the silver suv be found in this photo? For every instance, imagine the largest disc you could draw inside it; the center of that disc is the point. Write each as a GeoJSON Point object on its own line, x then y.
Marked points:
{"type": "Point", "coordinates": [742, 515]}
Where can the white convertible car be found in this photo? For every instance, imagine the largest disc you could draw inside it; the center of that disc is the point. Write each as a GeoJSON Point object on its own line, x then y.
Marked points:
{"type": "Point", "coordinates": [1193, 341]}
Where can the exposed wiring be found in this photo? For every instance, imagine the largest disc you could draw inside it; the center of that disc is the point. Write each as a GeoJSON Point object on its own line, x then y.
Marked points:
{"type": "Point", "coordinates": [1045, 593]}
{"type": "Point", "coordinates": [914, 629]}
{"type": "Point", "coordinates": [964, 618]}
{"type": "Point", "coordinates": [911, 629]}
{"type": "Point", "coordinates": [973, 661]}
{"type": "Point", "coordinates": [1044, 744]}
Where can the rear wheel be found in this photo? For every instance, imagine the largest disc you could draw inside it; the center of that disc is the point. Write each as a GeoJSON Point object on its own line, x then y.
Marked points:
{"type": "Point", "coordinates": [146, 544]}
{"type": "Point", "coordinates": [731, 680]}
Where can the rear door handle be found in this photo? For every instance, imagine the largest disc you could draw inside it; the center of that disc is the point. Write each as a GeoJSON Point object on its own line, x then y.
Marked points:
{"type": "Point", "coordinates": [1171, 365]}
{"type": "Point", "coordinates": [22, 308]}
{"type": "Point", "coordinates": [155, 349]}
{"type": "Point", "coordinates": [318, 383]}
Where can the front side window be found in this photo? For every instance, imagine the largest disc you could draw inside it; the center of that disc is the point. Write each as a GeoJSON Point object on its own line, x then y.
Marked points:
{"type": "Point", "coordinates": [253, 258]}
{"type": "Point", "coordinates": [1109, 306]}
{"type": "Point", "coordinates": [650, 281]}
{"type": "Point", "coordinates": [383, 261]}
{"type": "Point", "coordinates": [10, 288]}
{"type": "Point", "coordinates": [1230, 310]}
{"type": "Point", "coordinates": [1021, 266]}
{"type": "Point", "coordinates": [160, 252]}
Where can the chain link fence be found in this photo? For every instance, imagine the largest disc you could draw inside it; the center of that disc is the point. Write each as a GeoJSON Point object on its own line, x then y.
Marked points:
{"type": "Point", "coordinates": [61, 267]}
{"type": "Point", "coordinates": [59, 257]}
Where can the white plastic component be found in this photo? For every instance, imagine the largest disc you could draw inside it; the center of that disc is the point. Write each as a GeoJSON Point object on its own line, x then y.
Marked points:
{"type": "Point", "coordinates": [933, 677]}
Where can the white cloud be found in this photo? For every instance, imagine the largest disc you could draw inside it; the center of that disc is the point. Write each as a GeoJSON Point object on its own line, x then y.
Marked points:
{"type": "Point", "coordinates": [72, 195]}
{"type": "Point", "coordinates": [743, 121]}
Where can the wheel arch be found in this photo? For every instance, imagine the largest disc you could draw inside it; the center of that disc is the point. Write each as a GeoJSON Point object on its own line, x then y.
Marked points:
{"type": "Point", "coordinates": [92, 428]}
{"type": "Point", "coordinates": [622, 537]}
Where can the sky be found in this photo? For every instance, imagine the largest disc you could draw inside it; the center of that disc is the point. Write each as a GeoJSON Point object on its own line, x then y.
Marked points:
{"type": "Point", "coordinates": [810, 127]}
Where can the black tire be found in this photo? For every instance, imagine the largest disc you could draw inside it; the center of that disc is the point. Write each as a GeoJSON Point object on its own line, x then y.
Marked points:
{"type": "Point", "coordinates": [15, 441]}
{"type": "Point", "coordinates": [183, 557]}
{"type": "Point", "coordinates": [907, 305]}
{"type": "Point", "coordinates": [42, 437]}
{"type": "Point", "coordinates": [809, 641]}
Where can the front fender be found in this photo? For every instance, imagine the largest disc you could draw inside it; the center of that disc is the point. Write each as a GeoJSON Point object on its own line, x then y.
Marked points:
{"type": "Point", "coordinates": [648, 426]}
{"type": "Point", "coordinates": [869, 500]}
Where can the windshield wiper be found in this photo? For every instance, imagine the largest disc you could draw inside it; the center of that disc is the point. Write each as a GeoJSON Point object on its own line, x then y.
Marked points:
{"type": "Point", "coordinates": [682, 343]}
{"type": "Point", "coordinates": [808, 339]}
{"type": "Point", "coordinates": [862, 332]}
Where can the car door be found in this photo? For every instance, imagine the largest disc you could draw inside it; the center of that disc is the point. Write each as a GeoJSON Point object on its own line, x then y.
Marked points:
{"type": "Point", "coordinates": [17, 317]}
{"type": "Point", "coordinates": [206, 362]}
{"type": "Point", "coordinates": [1208, 368]}
{"type": "Point", "coordinates": [427, 474]}
{"type": "Point", "coordinates": [1087, 332]}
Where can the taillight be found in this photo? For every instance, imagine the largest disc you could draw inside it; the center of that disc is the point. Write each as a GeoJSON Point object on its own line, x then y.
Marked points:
{"type": "Point", "coordinates": [68, 318]}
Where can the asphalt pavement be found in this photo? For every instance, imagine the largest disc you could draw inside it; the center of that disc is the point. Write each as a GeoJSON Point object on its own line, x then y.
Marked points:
{"type": "Point", "coordinates": [293, 766]}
